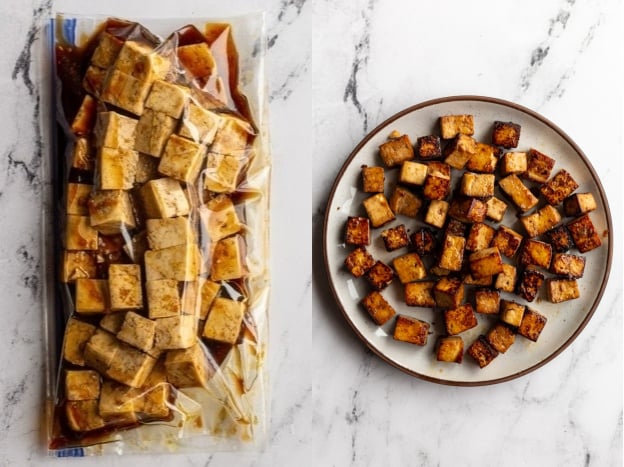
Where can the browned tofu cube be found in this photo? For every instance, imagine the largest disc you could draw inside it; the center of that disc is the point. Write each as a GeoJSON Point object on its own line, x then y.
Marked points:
{"type": "Point", "coordinates": [579, 203]}
{"type": "Point", "coordinates": [506, 134]}
{"type": "Point", "coordinates": [453, 125]}
{"type": "Point", "coordinates": [450, 349]}
{"type": "Point", "coordinates": [584, 234]}
{"type": "Point", "coordinates": [409, 268]}
{"type": "Point", "coordinates": [411, 330]}
{"type": "Point", "coordinates": [438, 181]}
{"type": "Point", "coordinates": [413, 173]}
{"type": "Point", "coordinates": [373, 179]}
{"type": "Point", "coordinates": [460, 319]}
{"type": "Point", "coordinates": [378, 210]}
{"type": "Point", "coordinates": [486, 262]}
{"type": "Point", "coordinates": [485, 281]}
{"type": "Point", "coordinates": [378, 308]}
{"type": "Point", "coordinates": [559, 187]}
{"type": "Point", "coordinates": [452, 255]}
{"type": "Point", "coordinates": [521, 196]}
{"type": "Point", "coordinates": [535, 252]}
{"type": "Point", "coordinates": [560, 238]}
{"type": "Point", "coordinates": [501, 337]}
{"type": "Point", "coordinates": [539, 166]}
{"type": "Point", "coordinates": [506, 279]}
{"type": "Point", "coordinates": [532, 325]}
{"type": "Point", "coordinates": [436, 213]}
{"type": "Point", "coordinates": [459, 151]}
{"type": "Point", "coordinates": [478, 185]}
{"type": "Point", "coordinates": [380, 275]}
{"type": "Point", "coordinates": [482, 351]}
{"type": "Point", "coordinates": [540, 221]}
{"type": "Point", "coordinates": [496, 209]}
{"type": "Point", "coordinates": [420, 294]}
{"type": "Point", "coordinates": [507, 241]}
{"type": "Point", "coordinates": [479, 237]}
{"type": "Point", "coordinates": [511, 312]}
{"type": "Point", "coordinates": [438, 271]}
{"type": "Point", "coordinates": [423, 241]}
{"type": "Point", "coordinates": [396, 151]}
{"type": "Point", "coordinates": [359, 261]}
{"type": "Point", "coordinates": [561, 290]}
{"type": "Point", "coordinates": [467, 210]}
{"type": "Point", "coordinates": [530, 283]}
{"type": "Point", "coordinates": [455, 227]}
{"type": "Point", "coordinates": [395, 237]}
{"type": "Point", "coordinates": [571, 266]}
{"type": "Point", "coordinates": [487, 301]}
{"type": "Point", "coordinates": [484, 160]}
{"type": "Point", "coordinates": [428, 147]}
{"type": "Point", "coordinates": [358, 231]}
{"type": "Point", "coordinates": [513, 163]}
{"type": "Point", "coordinates": [405, 202]}
{"type": "Point", "coordinates": [448, 292]}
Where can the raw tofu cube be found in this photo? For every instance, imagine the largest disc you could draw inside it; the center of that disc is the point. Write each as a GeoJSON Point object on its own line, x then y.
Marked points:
{"type": "Point", "coordinates": [506, 134]}
{"type": "Point", "coordinates": [568, 265]}
{"type": "Point", "coordinates": [147, 168]}
{"type": "Point", "coordinates": [511, 313]}
{"type": "Point", "coordinates": [82, 156]}
{"type": "Point", "coordinates": [91, 296]}
{"type": "Point", "coordinates": [423, 241]}
{"type": "Point", "coordinates": [231, 137]}
{"type": "Point", "coordinates": [561, 290]}
{"type": "Point", "coordinates": [153, 132]}
{"type": "Point", "coordinates": [530, 283]}
{"type": "Point", "coordinates": [448, 292]}
{"type": "Point", "coordinates": [111, 212]}
{"type": "Point", "coordinates": [131, 366]}
{"type": "Point", "coordinates": [428, 147]}
{"type": "Point", "coordinates": [175, 332]}
{"type": "Point", "coordinates": [467, 210]}
{"type": "Point", "coordinates": [459, 151]}
{"type": "Point", "coordinates": [164, 197]}
{"type": "Point", "coordinates": [119, 402]}
{"type": "Point", "coordinates": [532, 325]}
{"type": "Point", "coordinates": [180, 263]}
{"type": "Point", "coordinates": [357, 231]}
{"type": "Point", "coordinates": [167, 98]}
{"type": "Point", "coordinates": [106, 51]}
{"type": "Point", "coordinates": [197, 59]}
{"type": "Point", "coordinates": [438, 181]}
{"type": "Point", "coordinates": [409, 268]}
{"type": "Point", "coordinates": [506, 279]}
{"type": "Point", "coordinates": [228, 259]}
{"type": "Point", "coordinates": [535, 252]}
{"type": "Point", "coordinates": [478, 185]}
{"type": "Point", "coordinates": [578, 204]}
{"type": "Point", "coordinates": [224, 320]}
{"type": "Point", "coordinates": [495, 209]}
{"type": "Point", "coordinates": [521, 196]}
{"type": "Point", "coordinates": [82, 385]}
{"type": "Point", "coordinates": [460, 319]}
{"type": "Point", "coordinates": [411, 330]}
{"type": "Point", "coordinates": [378, 308]}
{"type": "Point", "coordinates": [396, 151]}
{"type": "Point", "coordinates": [199, 124]}
{"type": "Point", "coordinates": [559, 187]}
{"type": "Point", "coordinates": [78, 199]}
{"type": "Point", "coordinates": [378, 210]}
{"type": "Point", "coordinates": [208, 292]}
{"type": "Point", "coordinates": [79, 235]}
{"type": "Point", "coordinates": [168, 232]}
{"type": "Point", "coordinates": [560, 238]}
{"type": "Point", "coordinates": [413, 173]}
{"type": "Point", "coordinates": [507, 241]}
{"type": "Point", "coordinates": [140, 61]}
{"type": "Point", "coordinates": [222, 172]}
{"type": "Point", "coordinates": [395, 237]}
{"type": "Point", "coordinates": [94, 79]}
{"type": "Point", "coordinates": [436, 213]}
{"type": "Point", "coordinates": [182, 159]}
{"type": "Point", "coordinates": [373, 179]}
{"type": "Point", "coordinates": [452, 255]}
{"type": "Point", "coordinates": [116, 168]}
{"type": "Point", "coordinates": [83, 122]}
{"type": "Point", "coordinates": [163, 298]}
{"type": "Point", "coordinates": [453, 125]}
{"type": "Point", "coordinates": [101, 350]}
{"type": "Point", "coordinates": [112, 322]}
{"type": "Point", "coordinates": [380, 276]}
{"type": "Point", "coordinates": [487, 301]}
{"type": "Point", "coordinates": [479, 237]}
{"type": "Point", "coordinates": [137, 331]}
{"type": "Point", "coordinates": [513, 163]}
{"type": "Point", "coordinates": [189, 367]}
{"type": "Point", "coordinates": [539, 166]}
{"type": "Point", "coordinates": [404, 202]}
{"type": "Point", "coordinates": [484, 160]}
{"type": "Point", "coordinates": [584, 234]}
{"type": "Point", "coordinates": [126, 92]}
{"type": "Point", "coordinates": [450, 349]}
{"type": "Point", "coordinates": [420, 294]}
{"type": "Point", "coordinates": [501, 337]}
{"type": "Point", "coordinates": [486, 262]}
{"type": "Point", "coordinates": [540, 221]}
{"type": "Point", "coordinates": [77, 334]}
{"type": "Point", "coordinates": [78, 265]}
{"type": "Point", "coordinates": [83, 415]}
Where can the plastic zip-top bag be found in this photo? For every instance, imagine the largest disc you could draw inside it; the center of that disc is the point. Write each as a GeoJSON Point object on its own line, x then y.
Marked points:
{"type": "Point", "coordinates": [157, 302]}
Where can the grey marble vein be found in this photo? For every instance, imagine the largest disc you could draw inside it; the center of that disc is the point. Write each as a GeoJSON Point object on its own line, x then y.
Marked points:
{"type": "Point", "coordinates": [285, 88]}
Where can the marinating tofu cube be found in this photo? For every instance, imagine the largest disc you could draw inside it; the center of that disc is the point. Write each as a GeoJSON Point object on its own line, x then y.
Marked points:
{"type": "Point", "coordinates": [496, 209]}
{"type": "Point", "coordinates": [448, 292]}
{"type": "Point", "coordinates": [222, 172]}
{"type": "Point", "coordinates": [423, 241]}
{"type": "Point", "coordinates": [438, 181]}
{"type": "Point", "coordinates": [141, 61]}
{"type": "Point", "coordinates": [411, 330]}
{"type": "Point", "coordinates": [540, 221]}
{"type": "Point", "coordinates": [378, 308]}
{"type": "Point", "coordinates": [532, 324]}
{"type": "Point", "coordinates": [506, 279]}
{"type": "Point", "coordinates": [228, 259]}
{"type": "Point", "coordinates": [501, 337]}
{"type": "Point", "coordinates": [571, 266]}
{"type": "Point", "coordinates": [172, 231]}
{"type": "Point", "coordinates": [479, 237]}
{"type": "Point", "coordinates": [92, 296]}
{"type": "Point", "coordinates": [484, 160]}
{"type": "Point", "coordinates": [559, 187]}
{"type": "Point", "coordinates": [231, 137]}
{"type": "Point", "coordinates": [404, 202]}
{"type": "Point", "coordinates": [420, 294]}
{"type": "Point", "coordinates": [189, 367]}
{"type": "Point", "coordinates": [380, 276]}
{"type": "Point", "coordinates": [378, 210]}
{"type": "Point", "coordinates": [373, 179]}
{"type": "Point", "coordinates": [409, 267]}
{"type": "Point", "coordinates": [453, 125]}
{"type": "Point", "coordinates": [94, 80]}
{"type": "Point", "coordinates": [561, 290]}
{"type": "Point", "coordinates": [147, 169]}
{"type": "Point", "coordinates": [539, 166]}
{"type": "Point", "coordinates": [78, 265]}
{"type": "Point", "coordinates": [175, 332]}
{"type": "Point", "coordinates": [197, 59]}
{"type": "Point", "coordinates": [199, 124]}
{"type": "Point", "coordinates": [395, 237]}
{"type": "Point", "coordinates": [460, 319]}
{"type": "Point", "coordinates": [207, 294]}
{"type": "Point", "coordinates": [357, 231]}
{"type": "Point", "coordinates": [224, 320]}
{"type": "Point", "coordinates": [78, 199]}
{"type": "Point", "coordinates": [156, 392]}
{"type": "Point", "coordinates": [114, 131]}
{"type": "Point", "coordinates": [112, 322]}
{"type": "Point", "coordinates": [106, 51]}
{"type": "Point", "coordinates": [577, 204]}
{"type": "Point", "coordinates": [486, 262]}
{"type": "Point", "coordinates": [560, 239]}
{"type": "Point", "coordinates": [79, 235]}
{"type": "Point", "coordinates": [82, 385]}
{"type": "Point", "coordinates": [452, 254]}
{"type": "Point", "coordinates": [82, 157]}
{"type": "Point", "coordinates": [83, 122]}
{"type": "Point", "coordinates": [83, 415]}
{"type": "Point", "coordinates": [485, 281]}
{"type": "Point", "coordinates": [359, 261]}
{"type": "Point", "coordinates": [487, 301]}
{"type": "Point", "coordinates": [153, 132]}
{"type": "Point", "coordinates": [535, 252]}
{"type": "Point", "coordinates": [163, 298]}
{"type": "Point", "coordinates": [164, 197]}
{"type": "Point", "coordinates": [506, 134]}
{"type": "Point", "coordinates": [436, 213]}
{"type": "Point", "coordinates": [77, 334]}
{"type": "Point", "coordinates": [131, 366]}
{"type": "Point", "coordinates": [521, 196]}
{"type": "Point", "coordinates": [413, 173]}
{"type": "Point", "coordinates": [111, 212]}
{"type": "Point", "coordinates": [119, 402]}
{"type": "Point", "coordinates": [507, 241]}
{"type": "Point", "coordinates": [101, 350]}
{"type": "Point", "coordinates": [180, 263]}
{"type": "Point", "coordinates": [219, 218]}
{"type": "Point", "coordinates": [116, 168]}
{"type": "Point", "coordinates": [513, 163]}
{"type": "Point", "coordinates": [467, 210]}
{"type": "Point", "coordinates": [459, 151]}
{"type": "Point", "coordinates": [478, 185]}
{"type": "Point", "coordinates": [450, 349]}
{"type": "Point", "coordinates": [396, 151]}
{"type": "Point", "coordinates": [428, 147]}
{"type": "Point", "coordinates": [167, 98]}
{"type": "Point", "coordinates": [182, 159]}
{"type": "Point", "coordinates": [125, 91]}
{"type": "Point", "coordinates": [584, 234]}
{"type": "Point", "coordinates": [137, 331]}
{"type": "Point", "coordinates": [530, 283]}
{"type": "Point", "coordinates": [511, 312]}
{"type": "Point", "coordinates": [124, 282]}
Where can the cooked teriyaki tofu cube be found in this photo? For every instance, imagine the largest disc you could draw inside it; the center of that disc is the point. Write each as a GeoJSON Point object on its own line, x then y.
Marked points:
{"type": "Point", "coordinates": [513, 163]}
{"type": "Point", "coordinates": [521, 196]}
{"type": "Point", "coordinates": [413, 173]}
{"type": "Point", "coordinates": [467, 210]}
{"type": "Point", "coordinates": [373, 179]}
{"type": "Point", "coordinates": [358, 231]}
{"type": "Point", "coordinates": [539, 166]}
{"type": "Point", "coordinates": [506, 134]}
{"type": "Point", "coordinates": [571, 266]}
{"type": "Point", "coordinates": [484, 160]}
{"type": "Point", "coordinates": [396, 151]}
{"type": "Point", "coordinates": [455, 227]}
{"type": "Point", "coordinates": [436, 213]}
{"type": "Point", "coordinates": [404, 202]}
{"type": "Point", "coordinates": [506, 279]}
{"type": "Point", "coordinates": [511, 312]}
{"type": "Point", "coordinates": [452, 254]}
{"type": "Point", "coordinates": [428, 147]}
{"type": "Point", "coordinates": [395, 237]}
{"type": "Point", "coordinates": [359, 261]}
{"type": "Point", "coordinates": [459, 151]}
{"type": "Point", "coordinates": [378, 308]}
{"type": "Point", "coordinates": [559, 187]}
{"type": "Point", "coordinates": [411, 330]}
{"type": "Point", "coordinates": [487, 301]}
{"type": "Point", "coordinates": [561, 290]}
{"type": "Point", "coordinates": [532, 324]}
{"type": "Point", "coordinates": [438, 271]}
{"type": "Point", "coordinates": [448, 292]}
{"type": "Point", "coordinates": [409, 268]}
{"type": "Point", "coordinates": [420, 294]}
{"type": "Point", "coordinates": [530, 283]}
{"type": "Point", "coordinates": [480, 236]}
{"type": "Point", "coordinates": [438, 181]}
{"type": "Point", "coordinates": [486, 262]}
{"type": "Point", "coordinates": [380, 276]}
{"type": "Point", "coordinates": [507, 241]}
{"type": "Point", "coordinates": [460, 319]}
{"type": "Point", "coordinates": [579, 203]}
{"type": "Point", "coordinates": [450, 349]}
{"type": "Point", "coordinates": [535, 252]}
{"type": "Point", "coordinates": [485, 281]}
{"type": "Point", "coordinates": [496, 209]}
{"type": "Point", "coordinates": [541, 220]}
{"type": "Point", "coordinates": [482, 351]}
{"type": "Point", "coordinates": [560, 239]}
{"type": "Point", "coordinates": [501, 337]}
{"type": "Point", "coordinates": [477, 185]}
{"type": "Point", "coordinates": [378, 210]}
{"type": "Point", "coordinates": [584, 234]}
{"type": "Point", "coordinates": [453, 125]}
{"type": "Point", "coordinates": [423, 241]}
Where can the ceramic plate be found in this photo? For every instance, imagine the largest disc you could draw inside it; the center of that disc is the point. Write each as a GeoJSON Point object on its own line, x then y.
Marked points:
{"type": "Point", "coordinates": [565, 321]}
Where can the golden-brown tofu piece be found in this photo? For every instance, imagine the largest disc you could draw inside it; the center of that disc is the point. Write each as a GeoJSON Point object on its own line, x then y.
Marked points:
{"type": "Point", "coordinates": [560, 238]}
{"type": "Point", "coordinates": [507, 241]}
{"type": "Point", "coordinates": [413, 173]}
{"type": "Point", "coordinates": [82, 157]}
{"type": "Point", "coordinates": [420, 294]}
{"type": "Point", "coordinates": [482, 352]}
{"type": "Point", "coordinates": [395, 237]}
{"type": "Point", "coordinates": [197, 60]}
{"type": "Point", "coordinates": [513, 163]}
{"type": "Point", "coordinates": [535, 252]}
{"type": "Point", "coordinates": [423, 241]}
{"type": "Point", "coordinates": [450, 349]}
{"type": "Point", "coordinates": [579, 203]}
{"type": "Point", "coordinates": [559, 187]}
{"type": "Point", "coordinates": [83, 122]}
{"type": "Point", "coordinates": [77, 334]}
{"type": "Point", "coordinates": [486, 262]}
{"type": "Point", "coordinates": [501, 337]}
{"type": "Point", "coordinates": [224, 320]}
{"type": "Point", "coordinates": [477, 185]}
{"type": "Point", "coordinates": [521, 196]}
{"type": "Point", "coordinates": [532, 324]}
{"type": "Point", "coordinates": [452, 254]}
{"type": "Point", "coordinates": [467, 210]}
{"type": "Point", "coordinates": [448, 292]}
{"type": "Point", "coordinates": [455, 227]}
{"type": "Point", "coordinates": [373, 179]}
{"type": "Point", "coordinates": [436, 213]}
{"type": "Point", "coordinates": [378, 210]}
{"type": "Point", "coordinates": [396, 151]}
{"type": "Point", "coordinates": [480, 236]}
{"type": "Point", "coordinates": [83, 415]}
{"type": "Point", "coordinates": [561, 290]}
{"type": "Point", "coordinates": [496, 209]}
{"type": "Point", "coordinates": [506, 134]}
{"type": "Point", "coordinates": [82, 385]}
{"type": "Point", "coordinates": [487, 301]}
{"type": "Point", "coordinates": [511, 312]}
{"type": "Point", "coordinates": [571, 266]}
{"type": "Point", "coordinates": [459, 151]}
{"type": "Point", "coordinates": [357, 231]}
{"type": "Point", "coordinates": [359, 261]}
{"type": "Point", "coordinates": [530, 283]}
{"type": "Point", "coordinates": [484, 281]}
{"type": "Point", "coordinates": [539, 166]}
{"type": "Point", "coordinates": [409, 268]}
{"type": "Point", "coordinates": [584, 234]}
{"type": "Point", "coordinates": [438, 181]}
{"type": "Point", "coordinates": [412, 330]}
{"type": "Point", "coordinates": [453, 125]}
{"type": "Point", "coordinates": [404, 202]}
{"type": "Point", "coordinates": [484, 160]}
{"type": "Point", "coordinates": [380, 276]}
{"type": "Point", "coordinates": [428, 147]}
{"type": "Point", "coordinates": [506, 279]}
{"type": "Point", "coordinates": [541, 221]}
{"type": "Point", "coordinates": [378, 308]}
{"type": "Point", "coordinates": [189, 367]}
{"type": "Point", "coordinates": [460, 319]}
